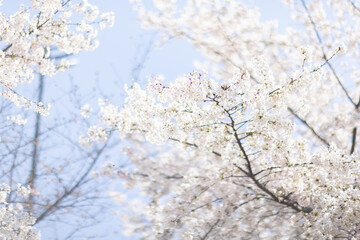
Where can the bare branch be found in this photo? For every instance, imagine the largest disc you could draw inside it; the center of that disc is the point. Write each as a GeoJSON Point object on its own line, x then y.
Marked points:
{"type": "Point", "coordinates": [354, 6]}
{"type": "Point", "coordinates": [353, 142]}
{"type": "Point", "coordinates": [35, 157]}
{"type": "Point", "coordinates": [7, 47]}
{"type": "Point", "coordinates": [68, 192]}
{"type": "Point", "coordinates": [308, 126]}
{"type": "Point", "coordinates": [193, 145]}
{"type": "Point", "coordinates": [210, 230]}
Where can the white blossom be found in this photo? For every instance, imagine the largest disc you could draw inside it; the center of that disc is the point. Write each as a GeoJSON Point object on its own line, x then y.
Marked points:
{"type": "Point", "coordinates": [14, 222]}
{"type": "Point", "coordinates": [86, 110]}
{"type": "Point", "coordinates": [17, 119]}
{"type": "Point", "coordinates": [28, 35]}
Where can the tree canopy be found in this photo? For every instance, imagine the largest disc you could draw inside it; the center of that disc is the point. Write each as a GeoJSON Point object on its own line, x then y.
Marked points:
{"type": "Point", "coordinates": [260, 142]}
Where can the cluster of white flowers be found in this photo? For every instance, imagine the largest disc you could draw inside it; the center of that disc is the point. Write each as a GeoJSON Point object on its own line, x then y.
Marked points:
{"type": "Point", "coordinates": [86, 111]}
{"type": "Point", "coordinates": [264, 150]}
{"type": "Point", "coordinates": [208, 118]}
{"type": "Point", "coordinates": [14, 223]}
{"type": "Point", "coordinates": [108, 20]}
{"type": "Point", "coordinates": [17, 119]}
{"type": "Point", "coordinates": [29, 35]}
{"type": "Point", "coordinates": [95, 133]}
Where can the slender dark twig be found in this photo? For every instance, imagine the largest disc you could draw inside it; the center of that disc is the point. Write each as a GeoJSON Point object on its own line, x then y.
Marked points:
{"type": "Point", "coordinates": [354, 6]}
{"type": "Point", "coordinates": [210, 230]}
{"type": "Point", "coordinates": [7, 47]}
{"type": "Point", "coordinates": [52, 207]}
{"type": "Point", "coordinates": [353, 142]}
{"type": "Point", "coordinates": [308, 126]}
{"type": "Point", "coordinates": [193, 145]}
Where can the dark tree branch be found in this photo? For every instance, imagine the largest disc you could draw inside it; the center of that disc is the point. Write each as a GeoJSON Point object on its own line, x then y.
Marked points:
{"type": "Point", "coordinates": [248, 172]}
{"type": "Point", "coordinates": [7, 47]}
{"type": "Point", "coordinates": [356, 105]}
{"type": "Point", "coordinates": [210, 230]}
{"type": "Point", "coordinates": [238, 141]}
{"type": "Point", "coordinates": [52, 207]}
{"type": "Point", "coordinates": [205, 205]}
{"type": "Point", "coordinates": [353, 142]}
{"type": "Point", "coordinates": [324, 54]}
{"type": "Point", "coordinates": [354, 6]}
{"type": "Point", "coordinates": [309, 127]}
{"type": "Point", "coordinates": [284, 201]}
{"type": "Point", "coordinates": [35, 154]}
{"type": "Point", "coordinates": [193, 145]}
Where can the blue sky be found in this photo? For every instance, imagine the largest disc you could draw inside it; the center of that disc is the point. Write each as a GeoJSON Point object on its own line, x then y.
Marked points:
{"type": "Point", "coordinates": [123, 46]}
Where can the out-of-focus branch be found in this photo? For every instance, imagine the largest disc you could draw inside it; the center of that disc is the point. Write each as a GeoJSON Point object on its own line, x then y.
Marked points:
{"type": "Point", "coordinates": [324, 54]}
{"type": "Point", "coordinates": [210, 230]}
{"type": "Point", "coordinates": [35, 153]}
{"type": "Point", "coordinates": [354, 6]}
{"type": "Point", "coordinates": [52, 207]}
{"type": "Point", "coordinates": [7, 47]}
{"type": "Point", "coordinates": [353, 141]}
{"type": "Point", "coordinates": [193, 145]}
{"type": "Point", "coordinates": [309, 127]}
{"type": "Point", "coordinates": [356, 105]}
{"type": "Point", "coordinates": [136, 70]}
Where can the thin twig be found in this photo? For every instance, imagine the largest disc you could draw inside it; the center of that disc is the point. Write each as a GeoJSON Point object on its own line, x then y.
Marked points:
{"type": "Point", "coordinates": [193, 145]}
{"type": "Point", "coordinates": [354, 6]}
{"type": "Point", "coordinates": [308, 126]}
{"type": "Point", "coordinates": [52, 207]}
{"type": "Point", "coordinates": [7, 47]}
{"type": "Point", "coordinates": [210, 230]}
{"type": "Point", "coordinates": [353, 142]}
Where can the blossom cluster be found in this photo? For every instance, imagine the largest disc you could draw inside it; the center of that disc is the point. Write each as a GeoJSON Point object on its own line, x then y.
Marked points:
{"type": "Point", "coordinates": [14, 222]}
{"type": "Point", "coordinates": [31, 35]}
{"type": "Point", "coordinates": [17, 119]}
{"type": "Point", "coordinates": [204, 122]}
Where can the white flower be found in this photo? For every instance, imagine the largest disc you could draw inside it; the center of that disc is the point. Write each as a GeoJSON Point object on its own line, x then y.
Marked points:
{"type": "Point", "coordinates": [17, 119]}
{"type": "Point", "coordinates": [86, 111]}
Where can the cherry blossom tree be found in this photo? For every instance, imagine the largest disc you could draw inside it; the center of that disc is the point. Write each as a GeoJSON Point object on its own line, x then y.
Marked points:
{"type": "Point", "coordinates": [260, 146]}
{"type": "Point", "coordinates": [38, 40]}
